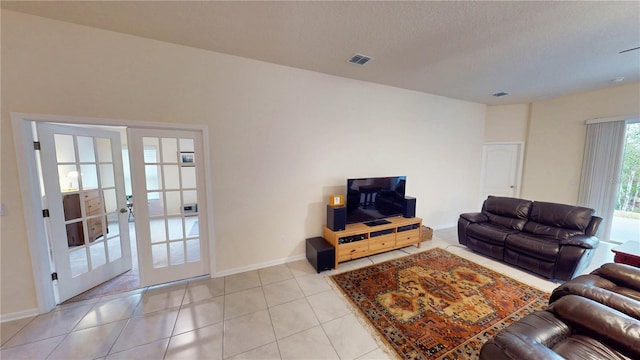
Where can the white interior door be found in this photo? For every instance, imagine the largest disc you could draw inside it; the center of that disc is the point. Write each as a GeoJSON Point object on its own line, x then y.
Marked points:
{"type": "Point", "coordinates": [501, 169]}
{"type": "Point", "coordinates": [169, 204]}
{"type": "Point", "coordinates": [84, 187]}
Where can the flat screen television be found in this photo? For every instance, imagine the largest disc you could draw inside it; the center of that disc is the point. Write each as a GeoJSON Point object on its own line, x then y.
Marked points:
{"type": "Point", "coordinates": [370, 200]}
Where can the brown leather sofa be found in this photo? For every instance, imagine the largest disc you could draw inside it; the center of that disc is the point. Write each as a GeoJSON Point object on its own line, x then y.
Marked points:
{"type": "Point", "coordinates": [556, 241]}
{"type": "Point", "coordinates": [595, 316]}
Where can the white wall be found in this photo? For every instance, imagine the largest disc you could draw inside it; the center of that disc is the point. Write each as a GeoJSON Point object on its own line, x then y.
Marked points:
{"type": "Point", "coordinates": [555, 145]}
{"type": "Point", "coordinates": [506, 123]}
{"type": "Point", "coordinates": [282, 139]}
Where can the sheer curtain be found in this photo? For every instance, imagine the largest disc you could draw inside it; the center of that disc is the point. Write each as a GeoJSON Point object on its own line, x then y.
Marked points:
{"type": "Point", "coordinates": [601, 170]}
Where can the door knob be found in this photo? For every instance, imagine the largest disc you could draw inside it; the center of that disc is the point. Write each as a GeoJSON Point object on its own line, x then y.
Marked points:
{"type": "Point", "coordinates": [511, 186]}
{"type": "Point", "coordinates": [123, 210]}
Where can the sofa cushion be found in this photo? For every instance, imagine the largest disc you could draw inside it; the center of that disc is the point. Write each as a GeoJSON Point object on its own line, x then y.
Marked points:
{"type": "Point", "coordinates": [493, 234]}
{"type": "Point", "coordinates": [561, 216]}
{"type": "Point", "coordinates": [609, 326]}
{"type": "Point", "coordinates": [508, 212]}
{"type": "Point", "coordinates": [585, 347]}
{"type": "Point", "coordinates": [534, 246]}
{"type": "Point", "coordinates": [550, 232]}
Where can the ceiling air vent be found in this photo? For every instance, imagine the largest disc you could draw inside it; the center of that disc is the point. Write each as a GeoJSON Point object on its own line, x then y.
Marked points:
{"type": "Point", "coordinates": [501, 93]}
{"type": "Point", "coordinates": [359, 59]}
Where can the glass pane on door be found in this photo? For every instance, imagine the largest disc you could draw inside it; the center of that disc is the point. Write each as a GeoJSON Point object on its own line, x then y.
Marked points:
{"type": "Point", "coordinates": [86, 150]}
{"type": "Point", "coordinates": [170, 175]}
{"type": "Point", "coordinates": [89, 201]}
{"type": "Point", "coordinates": [65, 150]}
{"type": "Point", "coordinates": [193, 250]}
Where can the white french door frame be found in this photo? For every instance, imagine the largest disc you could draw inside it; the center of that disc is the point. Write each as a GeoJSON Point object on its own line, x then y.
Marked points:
{"type": "Point", "coordinates": [29, 175]}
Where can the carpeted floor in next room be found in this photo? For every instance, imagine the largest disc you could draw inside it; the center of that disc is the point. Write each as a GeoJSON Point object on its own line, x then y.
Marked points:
{"type": "Point", "coordinates": [285, 311]}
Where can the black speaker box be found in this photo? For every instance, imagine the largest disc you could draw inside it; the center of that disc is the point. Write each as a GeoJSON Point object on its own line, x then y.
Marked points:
{"type": "Point", "coordinates": [336, 217]}
{"type": "Point", "coordinates": [320, 254]}
{"type": "Point", "coordinates": [409, 207]}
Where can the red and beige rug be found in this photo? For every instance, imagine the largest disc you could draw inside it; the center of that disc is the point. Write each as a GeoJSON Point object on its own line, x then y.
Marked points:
{"type": "Point", "coordinates": [437, 305]}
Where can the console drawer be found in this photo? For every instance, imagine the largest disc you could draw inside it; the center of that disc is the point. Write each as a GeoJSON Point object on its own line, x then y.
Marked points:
{"type": "Point", "coordinates": [353, 250]}
{"type": "Point", "coordinates": [382, 243]}
{"type": "Point", "coordinates": [406, 238]}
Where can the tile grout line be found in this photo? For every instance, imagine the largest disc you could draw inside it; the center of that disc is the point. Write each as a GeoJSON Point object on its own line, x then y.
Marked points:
{"type": "Point", "coordinates": [69, 333]}
{"type": "Point", "coordinates": [125, 326]}
{"type": "Point", "coordinates": [17, 332]}
{"type": "Point", "coordinates": [275, 336]}
{"type": "Point", "coordinates": [173, 328]}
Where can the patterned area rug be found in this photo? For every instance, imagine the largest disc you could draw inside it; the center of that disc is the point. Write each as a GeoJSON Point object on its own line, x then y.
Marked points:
{"type": "Point", "coordinates": [437, 305]}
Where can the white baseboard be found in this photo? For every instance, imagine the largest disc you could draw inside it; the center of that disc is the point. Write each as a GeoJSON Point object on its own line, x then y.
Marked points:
{"type": "Point", "coordinates": [446, 226]}
{"type": "Point", "coordinates": [19, 315]}
{"type": "Point", "coordinates": [290, 259]}
{"type": "Point", "coordinates": [258, 266]}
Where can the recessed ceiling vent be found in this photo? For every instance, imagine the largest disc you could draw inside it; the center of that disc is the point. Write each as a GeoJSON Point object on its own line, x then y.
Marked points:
{"type": "Point", "coordinates": [501, 93]}
{"type": "Point", "coordinates": [359, 59]}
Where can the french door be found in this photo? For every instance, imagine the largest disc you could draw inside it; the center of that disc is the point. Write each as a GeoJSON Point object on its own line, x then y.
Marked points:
{"type": "Point", "coordinates": [169, 204]}
{"type": "Point", "coordinates": [85, 196]}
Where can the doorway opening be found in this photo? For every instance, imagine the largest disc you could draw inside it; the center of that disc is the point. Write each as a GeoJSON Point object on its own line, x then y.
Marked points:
{"type": "Point", "coordinates": [625, 224]}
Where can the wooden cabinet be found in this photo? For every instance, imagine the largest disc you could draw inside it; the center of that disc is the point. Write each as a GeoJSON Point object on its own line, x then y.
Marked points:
{"type": "Point", "coordinates": [360, 240]}
{"type": "Point", "coordinates": [93, 206]}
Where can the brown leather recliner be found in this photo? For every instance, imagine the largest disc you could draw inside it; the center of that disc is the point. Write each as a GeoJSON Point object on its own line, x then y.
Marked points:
{"type": "Point", "coordinates": [556, 241]}
{"type": "Point", "coordinates": [584, 321]}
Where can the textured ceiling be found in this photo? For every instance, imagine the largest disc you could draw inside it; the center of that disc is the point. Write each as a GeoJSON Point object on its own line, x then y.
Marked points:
{"type": "Point", "coordinates": [463, 50]}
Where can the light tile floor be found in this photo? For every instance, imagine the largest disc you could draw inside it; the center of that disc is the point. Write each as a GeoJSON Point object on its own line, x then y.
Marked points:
{"type": "Point", "coordinates": [282, 312]}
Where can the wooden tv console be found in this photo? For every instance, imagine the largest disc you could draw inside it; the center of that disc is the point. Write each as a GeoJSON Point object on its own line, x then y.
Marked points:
{"type": "Point", "coordinates": [360, 240]}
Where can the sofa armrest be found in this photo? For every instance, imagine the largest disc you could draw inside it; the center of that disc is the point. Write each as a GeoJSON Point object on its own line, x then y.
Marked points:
{"type": "Point", "coordinates": [511, 346]}
{"type": "Point", "coordinates": [592, 228]}
{"type": "Point", "coordinates": [584, 241]}
{"type": "Point", "coordinates": [475, 217]}
{"type": "Point", "coordinates": [532, 337]}
{"type": "Point", "coordinates": [585, 288]}
{"type": "Point", "coordinates": [621, 274]}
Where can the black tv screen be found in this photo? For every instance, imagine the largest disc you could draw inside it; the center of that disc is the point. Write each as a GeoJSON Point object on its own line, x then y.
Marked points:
{"type": "Point", "coordinates": [371, 199]}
